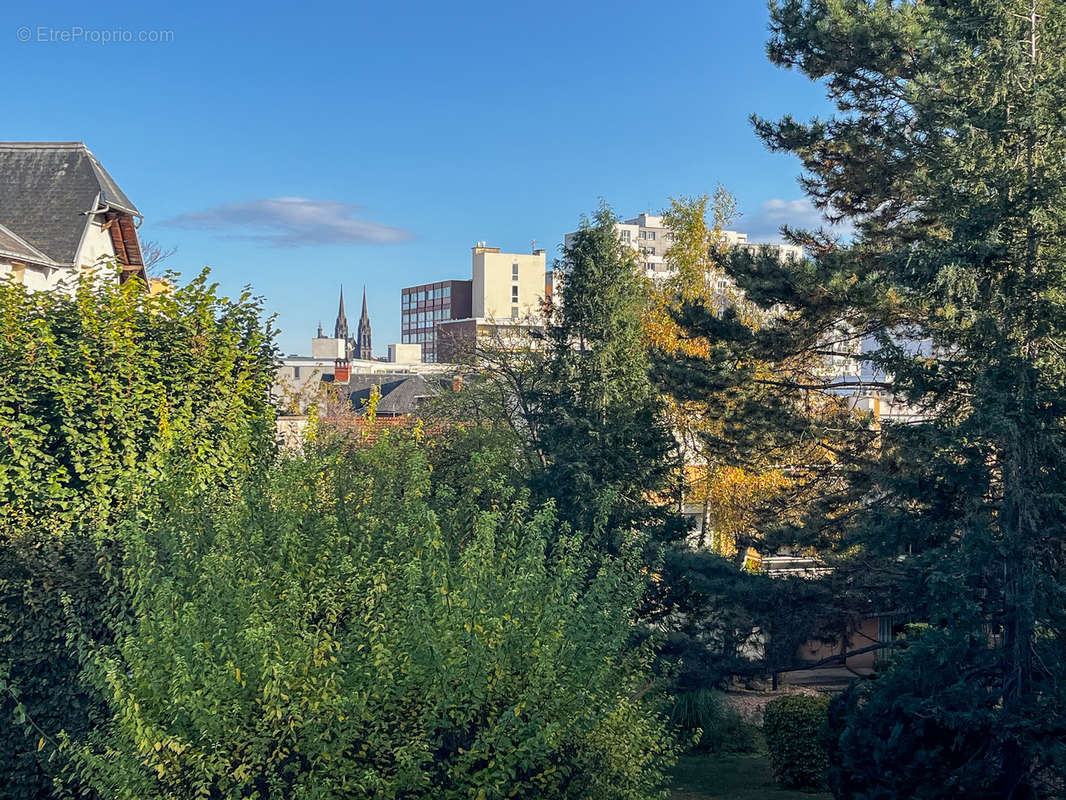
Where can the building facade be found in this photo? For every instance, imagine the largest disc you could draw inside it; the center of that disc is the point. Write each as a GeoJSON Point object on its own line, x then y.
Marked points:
{"type": "Point", "coordinates": [648, 235]}
{"type": "Point", "coordinates": [505, 292]}
{"type": "Point", "coordinates": [422, 307]}
{"type": "Point", "coordinates": [507, 285]}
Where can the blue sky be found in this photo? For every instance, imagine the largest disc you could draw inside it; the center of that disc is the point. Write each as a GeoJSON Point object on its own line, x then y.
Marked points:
{"type": "Point", "coordinates": [297, 147]}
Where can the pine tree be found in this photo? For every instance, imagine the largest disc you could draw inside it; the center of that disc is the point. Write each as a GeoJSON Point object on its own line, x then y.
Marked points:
{"type": "Point", "coordinates": [604, 443]}
{"type": "Point", "coordinates": [949, 157]}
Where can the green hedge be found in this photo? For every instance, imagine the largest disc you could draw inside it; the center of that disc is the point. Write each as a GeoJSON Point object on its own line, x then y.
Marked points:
{"type": "Point", "coordinates": [102, 393]}
{"type": "Point", "coordinates": [793, 727]}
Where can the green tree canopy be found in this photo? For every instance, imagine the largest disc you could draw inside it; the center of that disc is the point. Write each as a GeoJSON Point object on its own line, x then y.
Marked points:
{"type": "Point", "coordinates": [601, 427]}
{"type": "Point", "coordinates": [949, 157]}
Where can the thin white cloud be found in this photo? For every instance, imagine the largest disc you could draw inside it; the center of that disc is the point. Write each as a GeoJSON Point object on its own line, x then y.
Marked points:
{"type": "Point", "coordinates": [766, 225]}
{"type": "Point", "coordinates": [292, 222]}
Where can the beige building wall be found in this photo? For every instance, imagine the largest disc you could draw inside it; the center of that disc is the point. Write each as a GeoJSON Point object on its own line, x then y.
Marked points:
{"type": "Point", "coordinates": [507, 285]}
{"type": "Point", "coordinates": [405, 353]}
{"type": "Point", "coordinates": [328, 348]}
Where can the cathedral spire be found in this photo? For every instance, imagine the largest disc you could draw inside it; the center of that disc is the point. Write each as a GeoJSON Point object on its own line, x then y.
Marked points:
{"type": "Point", "coordinates": [340, 330]}
{"type": "Point", "coordinates": [363, 347]}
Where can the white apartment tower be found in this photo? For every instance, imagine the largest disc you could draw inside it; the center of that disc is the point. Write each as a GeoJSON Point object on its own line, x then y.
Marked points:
{"type": "Point", "coordinates": [648, 235]}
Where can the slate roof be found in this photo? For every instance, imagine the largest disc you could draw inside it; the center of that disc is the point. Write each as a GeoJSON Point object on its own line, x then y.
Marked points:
{"type": "Point", "coordinates": [400, 393]}
{"type": "Point", "coordinates": [46, 190]}
{"type": "Point", "coordinates": [15, 247]}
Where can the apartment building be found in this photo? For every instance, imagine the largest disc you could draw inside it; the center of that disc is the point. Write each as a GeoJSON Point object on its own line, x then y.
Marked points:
{"type": "Point", "coordinates": [648, 235]}
{"type": "Point", "coordinates": [507, 285]}
{"type": "Point", "coordinates": [505, 292]}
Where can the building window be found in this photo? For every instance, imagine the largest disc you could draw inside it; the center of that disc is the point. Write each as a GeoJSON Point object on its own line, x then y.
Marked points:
{"type": "Point", "coordinates": [296, 372]}
{"type": "Point", "coordinates": [651, 236]}
{"type": "Point", "coordinates": [514, 271]}
{"type": "Point", "coordinates": [625, 237]}
{"type": "Point", "coordinates": [447, 291]}
{"type": "Point", "coordinates": [514, 294]}
{"type": "Point", "coordinates": [514, 312]}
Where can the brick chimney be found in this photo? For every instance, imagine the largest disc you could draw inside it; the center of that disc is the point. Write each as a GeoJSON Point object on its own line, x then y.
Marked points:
{"type": "Point", "coordinates": [342, 371]}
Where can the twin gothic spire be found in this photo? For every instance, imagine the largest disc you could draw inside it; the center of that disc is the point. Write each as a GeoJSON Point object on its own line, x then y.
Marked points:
{"type": "Point", "coordinates": [361, 348]}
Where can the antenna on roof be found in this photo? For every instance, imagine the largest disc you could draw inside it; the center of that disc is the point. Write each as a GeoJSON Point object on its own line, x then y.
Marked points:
{"type": "Point", "coordinates": [534, 243]}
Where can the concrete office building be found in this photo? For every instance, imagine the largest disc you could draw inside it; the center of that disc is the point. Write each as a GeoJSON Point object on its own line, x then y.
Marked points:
{"type": "Point", "coordinates": [422, 307]}
{"type": "Point", "coordinates": [507, 285]}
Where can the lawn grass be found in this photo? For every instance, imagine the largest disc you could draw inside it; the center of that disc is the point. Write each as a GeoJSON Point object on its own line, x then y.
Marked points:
{"type": "Point", "coordinates": [730, 777]}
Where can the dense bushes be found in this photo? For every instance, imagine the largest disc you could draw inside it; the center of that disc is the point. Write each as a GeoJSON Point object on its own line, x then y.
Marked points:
{"type": "Point", "coordinates": [101, 394]}
{"type": "Point", "coordinates": [793, 726]}
{"type": "Point", "coordinates": [323, 633]}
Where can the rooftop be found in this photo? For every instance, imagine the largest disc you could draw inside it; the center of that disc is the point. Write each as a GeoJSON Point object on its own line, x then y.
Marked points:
{"type": "Point", "coordinates": [48, 193]}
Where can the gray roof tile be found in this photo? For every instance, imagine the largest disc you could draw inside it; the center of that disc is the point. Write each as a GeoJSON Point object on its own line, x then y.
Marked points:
{"type": "Point", "coordinates": [12, 246]}
{"type": "Point", "coordinates": [400, 393]}
{"type": "Point", "coordinates": [46, 188]}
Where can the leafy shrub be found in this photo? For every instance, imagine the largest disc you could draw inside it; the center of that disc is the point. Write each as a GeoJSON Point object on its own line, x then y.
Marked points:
{"type": "Point", "coordinates": [705, 718]}
{"type": "Point", "coordinates": [102, 393]}
{"type": "Point", "coordinates": [324, 634]}
{"type": "Point", "coordinates": [793, 727]}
